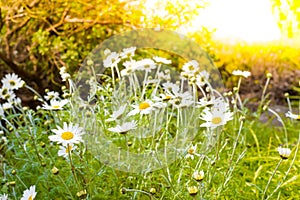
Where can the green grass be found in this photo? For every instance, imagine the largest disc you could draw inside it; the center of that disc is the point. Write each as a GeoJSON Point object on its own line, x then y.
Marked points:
{"type": "Point", "coordinates": [237, 159]}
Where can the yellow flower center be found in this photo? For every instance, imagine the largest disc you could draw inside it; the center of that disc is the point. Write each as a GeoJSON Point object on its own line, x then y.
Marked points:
{"type": "Point", "coordinates": [191, 151]}
{"type": "Point", "coordinates": [298, 117]}
{"type": "Point", "coordinates": [67, 135]}
{"type": "Point", "coordinates": [144, 105]}
{"type": "Point", "coordinates": [167, 97]}
{"type": "Point", "coordinates": [30, 198]}
{"type": "Point", "coordinates": [216, 120]}
{"type": "Point", "coordinates": [191, 68]}
{"type": "Point", "coordinates": [68, 149]}
{"type": "Point", "coordinates": [56, 107]}
{"type": "Point", "coordinates": [11, 82]}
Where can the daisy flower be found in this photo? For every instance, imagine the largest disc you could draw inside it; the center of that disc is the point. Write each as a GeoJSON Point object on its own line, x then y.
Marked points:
{"type": "Point", "coordinates": [128, 52]}
{"type": "Point", "coordinates": [55, 104]}
{"type": "Point", "coordinates": [202, 78]}
{"type": "Point", "coordinates": [7, 94]}
{"type": "Point", "coordinates": [12, 81]}
{"type": "Point", "coordinates": [146, 64]}
{"type": "Point", "coordinates": [292, 116]}
{"type": "Point", "coordinates": [124, 128]}
{"type": "Point", "coordinates": [284, 152]}
{"type": "Point", "coordinates": [143, 108]}
{"type": "Point", "coordinates": [217, 115]}
{"type": "Point", "coordinates": [116, 114]}
{"type": "Point", "coordinates": [29, 194]}
{"type": "Point", "coordinates": [191, 152]}
{"type": "Point", "coordinates": [245, 74]}
{"type": "Point", "coordinates": [3, 197]}
{"type": "Point", "coordinates": [161, 60]}
{"type": "Point", "coordinates": [130, 67]}
{"type": "Point", "coordinates": [64, 151]}
{"type": "Point", "coordinates": [64, 75]}
{"type": "Point", "coordinates": [67, 135]}
{"type": "Point", "coordinates": [51, 95]}
{"type": "Point", "coordinates": [191, 67]}
{"type": "Point", "coordinates": [193, 190]}
{"type": "Point", "coordinates": [7, 105]}
{"type": "Point", "coordinates": [198, 175]}
{"type": "Point", "coordinates": [111, 60]}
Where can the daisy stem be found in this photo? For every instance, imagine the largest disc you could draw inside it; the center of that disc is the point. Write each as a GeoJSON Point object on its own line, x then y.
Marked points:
{"type": "Point", "coordinates": [270, 179]}
{"type": "Point", "coordinates": [63, 182]}
{"type": "Point", "coordinates": [72, 167]}
{"type": "Point", "coordinates": [289, 103]}
{"type": "Point", "coordinates": [236, 141]}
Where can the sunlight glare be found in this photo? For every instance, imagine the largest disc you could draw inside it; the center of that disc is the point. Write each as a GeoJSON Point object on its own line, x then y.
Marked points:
{"type": "Point", "coordinates": [240, 20]}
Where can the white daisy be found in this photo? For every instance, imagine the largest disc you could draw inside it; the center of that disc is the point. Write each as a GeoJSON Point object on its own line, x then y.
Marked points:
{"type": "Point", "coordinates": [116, 114]}
{"type": "Point", "coordinates": [29, 194]}
{"type": "Point", "coordinates": [245, 74]}
{"type": "Point", "coordinates": [219, 114]}
{"type": "Point", "coordinates": [202, 78]}
{"type": "Point", "coordinates": [191, 67]}
{"type": "Point", "coordinates": [161, 60]}
{"type": "Point", "coordinates": [171, 87]}
{"type": "Point", "coordinates": [146, 64]}
{"type": "Point", "coordinates": [143, 108]}
{"type": "Point", "coordinates": [55, 104]}
{"type": "Point", "coordinates": [130, 67]}
{"type": "Point", "coordinates": [191, 152]}
{"type": "Point", "coordinates": [124, 128]}
{"type": "Point", "coordinates": [163, 76]}
{"type": "Point", "coordinates": [292, 116]}
{"type": "Point", "coordinates": [64, 75]}
{"type": "Point", "coordinates": [111, 60]}
{"type": "Point", "coordinates": [65, 150]}
{"type": "Point", "coordinates": [67, 135]}
{"type": "Point", "coordinates": [128, 52]}
{"type": "Point", "coordinates": [7, 94]}
{"type": "Point", "coordinates": [12, 81]}
{"type": "Point", "coordinates": [51, 95]}
{"type": "Point", "coordinates": [284, 152]}
{"type": "Point", "coordinates": [3, 197]}
{"type": "Point", "coordinates": [7, 105]}
{"type": "Point", "coordinates": [198, 175]}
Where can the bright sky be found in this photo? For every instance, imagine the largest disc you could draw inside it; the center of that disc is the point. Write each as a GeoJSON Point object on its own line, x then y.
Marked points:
{"type": "Point", "coordinates": [247, 20]}
{"type": "Point", "coordinates": [244, 20]}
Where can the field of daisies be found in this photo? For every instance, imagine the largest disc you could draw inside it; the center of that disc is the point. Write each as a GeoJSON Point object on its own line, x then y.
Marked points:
{"type": "Point", "coordinates": [141, 129]}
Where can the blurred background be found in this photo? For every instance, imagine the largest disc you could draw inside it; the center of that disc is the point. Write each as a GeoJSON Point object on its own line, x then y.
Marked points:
{"type": "Point", "coordinates": [37, 37]}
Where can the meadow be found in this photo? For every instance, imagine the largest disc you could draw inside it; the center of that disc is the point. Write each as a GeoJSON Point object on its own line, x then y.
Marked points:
{"type": "Point", "coordinates": [141, 128]}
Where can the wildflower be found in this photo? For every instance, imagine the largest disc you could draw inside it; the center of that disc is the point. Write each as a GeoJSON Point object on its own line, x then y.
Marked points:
{"type": "Point", "coordinates": [292, 116]}
{"type": "Point", "coordinates": [124, 128]}
{"type": "Point", "coordinates": [81, 194]}
{"type": "Point", "coordinates": [163, 76]}
{"type": "Point", "coordinates": [67, 135]}
{"type": "Point", "coordinates": [191, 67]}
{"type": "Point", "coordinates": [64, 151]}
{"type": "Point", "coordinates": [55, 104]}
{"type": "Point", "coordinates": [191, 152]}
{"type": "Point", "coordinates": [12, 82]}
{"type": "Point", "coordinates": [143, 108]}
{"type": "Point", "coordinates": [3, 197]}
{"type": "Point", "coordinates": [219, 114]}
{"type": "Point", "coordinates": [161, 60]}
{"type": "Point", "coordinates": [145, 64]}
{"type": "Point", "coordinates": [128, 52]}
{"type": "Point", "coordinates": [193, 190]}
{"type": "Point", "coordinates": [64, 75]}
{"type": "Point", "coordinates": [284, 152]}
{"type": "Point", "coordinates": [8, 95]}
{"type": "Point", "coordinates": [245, 74]}
{"type": "Point", "coordinates": [116, 114]}
{"type": "Point", "coordinates": [7, 105]}
{"type": "Point", "coordinates": [54, 170]}
{"type": "Point", "coordinates": [111, 60]}
{"type": "Point", "coordinates": [202, 78]}
{"type": "Point", "coordinates": [171, 87]}
{"type": "Point", "coordinates": [29, 194]}
{"type": "Point", "coordinates": [130, 67]}
{"type": "Point", "coordinates": [152, 191]}
{"type": "Point", "coordinates": [198, 175]}
{"type": "Point", "coordinates": [51, 95]}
